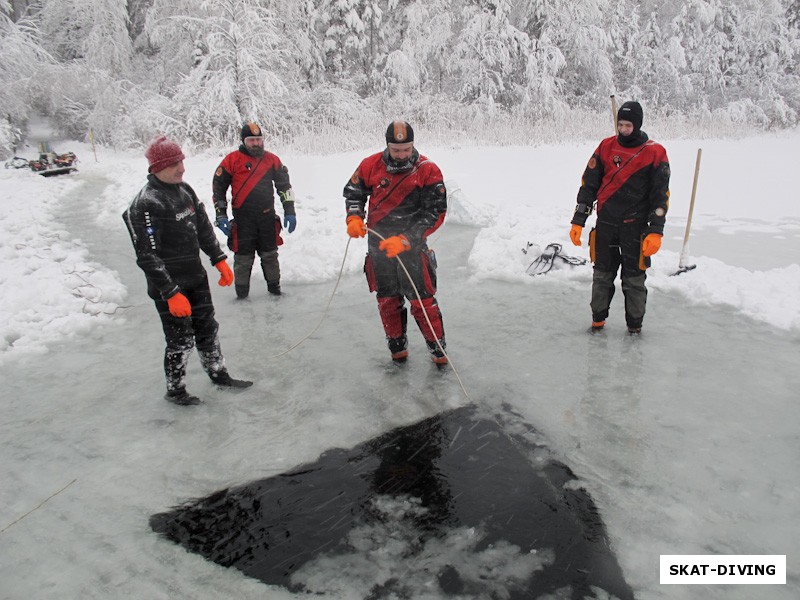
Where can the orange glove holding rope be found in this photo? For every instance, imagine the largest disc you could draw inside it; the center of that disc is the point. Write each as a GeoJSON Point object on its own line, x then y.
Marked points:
{"type": "Point", "coordinates": [356, 227]}
{"type": "Point", "coordinates": [395, 245]}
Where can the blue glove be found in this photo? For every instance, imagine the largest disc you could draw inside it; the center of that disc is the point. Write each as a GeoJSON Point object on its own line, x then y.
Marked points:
{"type": "Point", "coordinates": [224, 225]}
{"type": "Point", "coordinates": [290, 222]}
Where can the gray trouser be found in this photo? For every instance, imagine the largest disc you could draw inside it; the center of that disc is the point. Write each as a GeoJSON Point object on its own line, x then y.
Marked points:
{"type": "Point", "coordinates": [617, 247]}
{"type": "Point", "coordinates": [633, 289]}
{"type": "Point", "coordinates": [243, 265]}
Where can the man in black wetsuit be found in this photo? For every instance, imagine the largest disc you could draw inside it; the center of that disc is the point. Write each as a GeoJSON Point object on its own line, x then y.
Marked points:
{"type": "Point", "coordinates": [169, 226]}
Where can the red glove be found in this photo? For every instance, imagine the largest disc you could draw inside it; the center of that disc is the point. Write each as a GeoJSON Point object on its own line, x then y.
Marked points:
{"type": "Point", "coordinates": [356, 227]}
{"type": "Point", "coordinates": [395, 245]}
{"type": "Point", "coordinates": [575, 234]}
{"type": "Point", "coordinates": [651, 244]}
{"type": "Point", "coordinates": [226, 275]}
{"type": "Point", "coordinates": [179, 306]}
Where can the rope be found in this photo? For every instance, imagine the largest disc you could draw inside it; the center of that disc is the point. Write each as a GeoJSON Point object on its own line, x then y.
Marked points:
{"type": "Point", "coordinates": [42, 503]}
{"type": "Point", "coordinates": [416, 292]}
{"type": "Point", "coordinates": [327, 306]}
{"type": "Point", "coordinates": [427, 319]}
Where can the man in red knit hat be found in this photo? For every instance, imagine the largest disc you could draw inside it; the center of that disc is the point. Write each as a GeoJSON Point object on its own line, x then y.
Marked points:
{"type": "Point", "coordinates": [169, 226]}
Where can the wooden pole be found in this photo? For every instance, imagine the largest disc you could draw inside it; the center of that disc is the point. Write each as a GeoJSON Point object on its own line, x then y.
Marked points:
{"type": "Point", "coordinates": [614, 113]}
{"type": "Point", "coordinates": [682, 266]}
{"type": "Point", "coordinates": [91, 139]}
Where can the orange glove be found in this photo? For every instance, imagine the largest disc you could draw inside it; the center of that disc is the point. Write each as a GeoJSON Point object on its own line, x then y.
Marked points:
{"type": "Point", "coordinates": [395, 245]}
{"type": "Point", "coordinates": [356, 227]}
{"type": "Point", "coordinates": [226, 275]}
{"type": "Point", "coordinates": [651, 244]}
{"type": "Point", "coordinates": [179, 306]}
{"type": "Point", "coordinates": [575, 234]}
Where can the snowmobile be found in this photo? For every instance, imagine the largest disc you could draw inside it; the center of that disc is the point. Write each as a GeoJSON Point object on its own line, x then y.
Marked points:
{"type": "Point", "coordinates": [49, 163]}
{"type": "Point", "coordinates": [17, 162]}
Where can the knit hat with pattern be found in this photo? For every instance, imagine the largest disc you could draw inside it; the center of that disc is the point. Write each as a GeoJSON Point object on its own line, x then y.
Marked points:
{"type": "Point", "coordinates": [162, 153]}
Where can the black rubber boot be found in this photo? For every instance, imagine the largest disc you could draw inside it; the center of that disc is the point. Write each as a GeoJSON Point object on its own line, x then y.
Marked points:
{"type": "Point", "coordinates": [175, 370]}
{"type": "Point", "coordinates": [399, 349]}
{"type": "Point", "coordinates": [242, 265]}
{"type": "Point", "coordinates": [182, 398]}
{"type": "Point", "coordinates": [223, 379]}
{"type": "Point", "coordinates": [437, 356]}
{"type": "Point", "coordinates": [271, 269]}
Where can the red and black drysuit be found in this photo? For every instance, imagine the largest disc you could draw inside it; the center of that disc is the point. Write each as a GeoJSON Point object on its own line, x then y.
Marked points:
{"type": "Point", "coordinates": [255, 227]}
{"type": "Point", "coordinates": [408, 199]}
{"type": "Point", "coordinates": [168, 226]}
{"type": "Point", "coordinates": [628, 178]}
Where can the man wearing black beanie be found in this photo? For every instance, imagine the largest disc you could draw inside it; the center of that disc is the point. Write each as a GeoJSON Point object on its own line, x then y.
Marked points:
{"type": "Point", "coordinates": [251, 173]}
{"type": "Point", "coordinates": [627, 178]}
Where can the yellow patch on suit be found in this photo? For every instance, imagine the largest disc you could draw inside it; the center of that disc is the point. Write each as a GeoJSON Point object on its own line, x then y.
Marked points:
{"type": "Point", "coordinates": [644, 261]}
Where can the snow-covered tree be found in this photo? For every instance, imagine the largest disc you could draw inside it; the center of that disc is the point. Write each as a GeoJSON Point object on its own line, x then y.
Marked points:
{"type": "Point", "coordinates": [92, 31]}
{"type": "Point", "coordinates": [238, 75]}
{"type": "Point", "coordinates": [198, 68]}
{"type": "Point", "coordinates": [488, 55]}
{"type": "Point", "coordinates": [792, 14]}
{"type": "Point", "coordinates": [426, 33]}
{"type": "Point", "coordinates": [706, 46]}
{"type": "Point", "coordinates": [767, 66]}
{"type": "Point", "coordinates": [298, 20]}
{"type": "Point", "coordinates": [658, 58]}
{"type": "Point", "coordinates": [174, 40]}
{"type": "Point", "coordinates": [23, 60]}
{"type": "Point", "coordinates": [577, 29]}
{"type": "Point", "coordinates": [17, 9]}
{"type": "Point", "coordinates": [621, 23]}
{"type": "Point", "coordinates": [569, 58]}
{"type": "Point", "coordinates": [343, 32]}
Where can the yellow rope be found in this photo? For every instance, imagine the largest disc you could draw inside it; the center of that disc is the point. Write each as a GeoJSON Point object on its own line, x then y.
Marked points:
{"type": "Point", "coordinates": [42, 503]}
{"type": "Point", "coordinates": [327, 306]}
{"type": "Point", "coordinates": [416, 292]}
{"type": "Point", "coordinates": [427, 319]}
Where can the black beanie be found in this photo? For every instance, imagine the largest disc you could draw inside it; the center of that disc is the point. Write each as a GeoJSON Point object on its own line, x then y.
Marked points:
{"type": "Point", "coordinates": [631, 111]}
{"type": "Point", "coordinates": [250, 130]}
{"type": "Point", "coordinates": [399, 132]}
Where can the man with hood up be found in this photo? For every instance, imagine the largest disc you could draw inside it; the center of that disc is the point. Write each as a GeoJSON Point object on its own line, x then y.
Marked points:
{"type": "Point", "coordinates": [628, 179]}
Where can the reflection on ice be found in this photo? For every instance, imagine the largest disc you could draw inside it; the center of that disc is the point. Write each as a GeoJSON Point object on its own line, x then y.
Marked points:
{"type": "Point", "coordinates": [460, 504]}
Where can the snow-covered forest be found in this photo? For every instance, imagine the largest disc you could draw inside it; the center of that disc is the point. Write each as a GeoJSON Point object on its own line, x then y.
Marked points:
{"type": "Point", "coordinates": [319, 72]}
